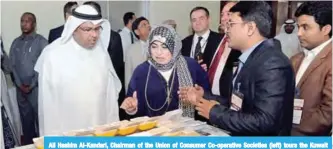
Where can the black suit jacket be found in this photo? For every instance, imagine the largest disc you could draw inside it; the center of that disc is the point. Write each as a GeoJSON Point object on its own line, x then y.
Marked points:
{"type": "Point", "coordinates": [267, 83]}
{"type": "Point", "coordinates": [55, 33]}
{"type": "Point", "coordinates": [213, 42]}
{"type": "Point", "coordinates": [115, 51]}
{"type": "Point", "coordinates": [227, 74]}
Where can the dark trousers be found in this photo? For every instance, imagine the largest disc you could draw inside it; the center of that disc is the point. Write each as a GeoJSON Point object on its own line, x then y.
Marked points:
{"type": "Point", "coordinates": [28, 107]}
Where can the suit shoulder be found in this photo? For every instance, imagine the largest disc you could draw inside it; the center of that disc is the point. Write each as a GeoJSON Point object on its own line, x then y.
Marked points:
{"type": "Point", "coordinates": [192, 64]}
{"type": "Point", "coordinates": [114, 33]}
{"type": "Point", "coordinates": [138, 71]}
{"type": "Point", "coordinates": [296, 56]}
{"type": "Point", "coordinates": [59, 28]}
{"type": "Point", "coordinates": [190, 37]}
{"type": "Point", "coordinates": [216, 35]}
{"type": "Point", "coordinates": [189, 60]}
{"type": "Point", "coordinates": [40, 37]}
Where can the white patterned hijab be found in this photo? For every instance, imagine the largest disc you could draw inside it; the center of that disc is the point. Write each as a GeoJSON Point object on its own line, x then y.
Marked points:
{"type": "Point", "coordinates": [168, 36]}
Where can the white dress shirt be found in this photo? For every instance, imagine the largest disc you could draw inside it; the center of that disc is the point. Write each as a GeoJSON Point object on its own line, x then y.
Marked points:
{"type": "Point", "coordinates": [126, 41]}
{"type": "Point", "coordinates": [309, 56]}
{"type": "Point", "coordinates": [166, 74]}
{"type": "Point", "coordinates": [203, 42]}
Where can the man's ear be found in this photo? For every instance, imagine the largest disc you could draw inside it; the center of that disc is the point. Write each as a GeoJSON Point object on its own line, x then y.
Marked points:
{"type": "Point", "coordinates": [326, 29]}
{"type": "Point", "coordinates": [137, 32]}
{"type": "Point", "coordinates": [252, 28]}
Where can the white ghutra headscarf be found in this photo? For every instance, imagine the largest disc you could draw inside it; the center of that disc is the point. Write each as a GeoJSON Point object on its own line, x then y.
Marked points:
{"type": "Point", "coordinates": [70, 73]}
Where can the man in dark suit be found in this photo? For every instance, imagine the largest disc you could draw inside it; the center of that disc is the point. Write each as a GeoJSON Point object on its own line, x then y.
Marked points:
{"type": "Point", "coordinates": [221, 69]}
{"type": "Point", "coordinates": [115, 50]}
{"type": "Point", "coordinates": [56, 32]}
{"type": "Point", "coordinates": [263, 86]}
{"type": "Point", "coordinates": [204, 41]}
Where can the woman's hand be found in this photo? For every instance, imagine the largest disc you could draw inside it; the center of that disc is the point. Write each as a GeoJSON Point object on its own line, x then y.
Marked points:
{"type": "Point", "coordinates": [130, 104]}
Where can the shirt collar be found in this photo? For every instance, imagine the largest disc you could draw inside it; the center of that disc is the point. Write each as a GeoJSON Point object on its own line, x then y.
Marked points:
{"type": "Point", "coordinates": [204, 36]}
{"type": "Point", "coordinates": [248, 52]}
{"type": "Point", "coordinates": [126, 29]}
{"type": "Point", "coordinates": [315, 51]}
{"type": "Point", "coordinates": [28, 37]}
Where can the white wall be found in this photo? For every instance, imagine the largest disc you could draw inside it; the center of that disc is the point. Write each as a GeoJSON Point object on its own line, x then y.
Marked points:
{"type": "Point", "coordinates": [180, 12]}
{"type": "Point", "coordinates": [117, 9]}
{"type": "Point", "coordinates": [50, 14]}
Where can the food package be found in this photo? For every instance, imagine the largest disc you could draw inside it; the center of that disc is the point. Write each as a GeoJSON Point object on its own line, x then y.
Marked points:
{"type": "Point", "coordinates": [39, 142]}
{"type": "Point", "coordinates": [182, 133]}
{"type": "Point", "coordinates": [140, 119]}
{"type": "Point", "coordinates": [81, 132]}
{"type": "Point", "coordinates": [186, 120]}
{"type": "Point", "coordinates": [158, 131]}
{"type": "Point", "coordinates": [189, 133]}
{"type": "Point", "coordinates": [175, 125]}
{"type": "Point", "coordinates": [163, 122]}
{"type": "Point", "coordinates": [128, 128]}
{"type": "Point", "coordinates": [106, 130]}
{"type": "Point", "coordinates": [118, 123]}
{"type": "Point", "coordinates": [147, 125]}
{"type": "Point", "coordinates": [174, 115]}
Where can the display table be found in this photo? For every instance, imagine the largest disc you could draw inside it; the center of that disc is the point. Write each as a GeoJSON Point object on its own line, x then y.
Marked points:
{"type": "Point", "coordinates": [31, 146]}
{"type": "Point", "coordinates": [171, 124]}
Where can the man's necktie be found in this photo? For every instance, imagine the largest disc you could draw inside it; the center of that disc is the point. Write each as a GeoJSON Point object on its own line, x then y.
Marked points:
{"type": "Point", "coordinates": [239, 67]}
{"type": "Point", "coordinates": [132, 38]}
{"type": "Point", "coordinates": [216, 61]}
{"type": "Point", "coordinates": [197, 48]}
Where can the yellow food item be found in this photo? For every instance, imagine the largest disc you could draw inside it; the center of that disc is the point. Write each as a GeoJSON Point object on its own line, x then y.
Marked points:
{"type": "Point", "coordinates": [189, 133]}
{"type": "Point", "coordinates": [127, 130]}
{"type": "Point", "coordinates": [158, 131]}
{"type": "Point", "coordinates": [39, 142]}
{"type": "Point", "coordinates": [80, 133]}
{"type": "Point", "coordinates": [147, 125]}
{"type": "Point", "coordinates": [172, 133]}
{"type": "Point", "coordinates": [182, 133]}
{"type": "Point", "coordinates": [108, 133]}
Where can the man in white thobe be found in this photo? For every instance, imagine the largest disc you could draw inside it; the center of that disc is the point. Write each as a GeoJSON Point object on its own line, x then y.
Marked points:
{"type": "Point", "coordinates": [78, 84]}
{"type": "Point", "coordinates": [11, 127]}
{"type": "Point", "coordinates": [290, 44]}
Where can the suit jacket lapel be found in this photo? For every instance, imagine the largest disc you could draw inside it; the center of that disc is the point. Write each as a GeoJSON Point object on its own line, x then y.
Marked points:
{"type": "Point", "coordinates": [315, 63]}
{"type": "Point", "coordinates": [249, 61]}
{"type": "Point", "coordinates": [297, 62]}
{"type": "Point", "coordinates": [189, 46]}
{"type": "Point", "coordinates": [209, 49]}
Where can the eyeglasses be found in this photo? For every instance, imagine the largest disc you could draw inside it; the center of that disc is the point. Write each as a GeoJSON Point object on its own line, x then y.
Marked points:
{"type": "Point", "coordinates": [97, 29]}
{"type": "Point", "coordinates": [226, 13]}
{"type": "Point", "coordinates": [230, 24]}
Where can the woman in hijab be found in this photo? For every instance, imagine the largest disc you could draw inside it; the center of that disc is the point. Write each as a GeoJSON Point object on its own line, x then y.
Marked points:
{"type": "Point", "coordinates": [153, 88]}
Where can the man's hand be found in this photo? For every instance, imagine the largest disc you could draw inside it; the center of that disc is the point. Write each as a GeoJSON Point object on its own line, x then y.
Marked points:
{"type": "Point", "coordinates": [204, 106]}
{"type": "Point", "coordinates": [24, 89]}
{"type": "Point", "coordinates": [190, 94]}
{"type": "Point", "coordinates": [28, 88]}
{"type": "Point", "coordinates": [130, 104]}
{"type": "Point", "coordinates": [203, 65]}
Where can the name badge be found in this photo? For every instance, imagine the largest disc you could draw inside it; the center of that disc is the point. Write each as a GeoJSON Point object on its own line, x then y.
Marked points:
{"type": "Point", "coordinates": [298, 110]}
{"type": "Point", "coordinates": [237, 99]}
